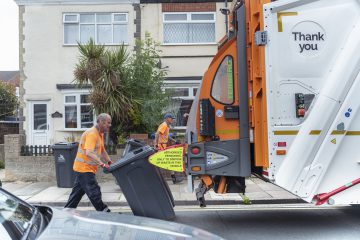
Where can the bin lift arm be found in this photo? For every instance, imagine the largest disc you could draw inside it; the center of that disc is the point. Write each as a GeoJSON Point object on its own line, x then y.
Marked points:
{"type": "Point", "coordinates": [324, 197]}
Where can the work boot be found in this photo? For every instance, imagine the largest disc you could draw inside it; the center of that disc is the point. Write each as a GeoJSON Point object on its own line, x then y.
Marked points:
{"type": "Point", "coordinates": [106, 210]}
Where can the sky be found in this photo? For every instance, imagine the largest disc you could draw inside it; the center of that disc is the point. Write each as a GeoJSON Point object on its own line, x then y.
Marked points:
{"type": "Point", "coordinates": [9, 35]}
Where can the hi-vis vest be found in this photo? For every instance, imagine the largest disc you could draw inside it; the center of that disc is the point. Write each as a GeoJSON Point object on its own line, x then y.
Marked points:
{"type": "Point", "coordinates": [91, 140]}
{"type": "Point", "coordinates": [163, 131]}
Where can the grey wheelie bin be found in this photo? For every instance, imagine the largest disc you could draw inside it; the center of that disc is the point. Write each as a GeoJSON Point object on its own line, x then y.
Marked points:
{"type": "Point", "coordinates": [143, 186]}
{"type": "Point", "coordinates": [65, 154]}
{"type": "Point", "coordinates": [133, 144]}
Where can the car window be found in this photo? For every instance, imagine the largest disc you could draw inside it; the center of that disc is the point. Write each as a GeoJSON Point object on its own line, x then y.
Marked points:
{"type": "Point", "coordinates": [15, 217]}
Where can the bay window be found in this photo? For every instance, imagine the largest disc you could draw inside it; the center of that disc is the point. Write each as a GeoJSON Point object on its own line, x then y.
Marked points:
{"type": "Point", "coordinates": [79, 112]}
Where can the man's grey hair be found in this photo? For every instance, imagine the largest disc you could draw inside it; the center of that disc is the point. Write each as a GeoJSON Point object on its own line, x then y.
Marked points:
{"type": "Point", "coordinates": [102, 117]}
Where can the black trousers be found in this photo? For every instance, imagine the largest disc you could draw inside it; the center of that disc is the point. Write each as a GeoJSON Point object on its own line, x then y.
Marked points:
{"type": "Point", "coordinates": [86, 183]}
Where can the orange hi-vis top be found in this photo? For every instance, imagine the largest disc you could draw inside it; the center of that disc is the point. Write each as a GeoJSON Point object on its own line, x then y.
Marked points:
{"type": "Point", "coordinates": [163, 131]}
{"type": "Point", "coordinates": [90, 140]}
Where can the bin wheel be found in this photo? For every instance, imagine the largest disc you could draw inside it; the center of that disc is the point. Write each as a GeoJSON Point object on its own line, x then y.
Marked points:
{"type": "Point", "coordinates": [176, 179]}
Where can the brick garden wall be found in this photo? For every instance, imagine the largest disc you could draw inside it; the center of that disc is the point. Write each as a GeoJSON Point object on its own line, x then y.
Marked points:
{"type": "Point", "coordinates": [7, 128]}
{"type": "Point", "coordinates": [34, 168]}
{"type": "Point", "coordinates": [2, 153]}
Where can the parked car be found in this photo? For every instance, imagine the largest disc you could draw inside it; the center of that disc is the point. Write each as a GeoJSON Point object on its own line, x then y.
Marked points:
{"type": "Point", "coordinates": [20, 220]}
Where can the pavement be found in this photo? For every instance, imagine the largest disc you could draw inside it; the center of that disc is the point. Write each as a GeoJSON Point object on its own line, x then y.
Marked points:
{"type": "Point", "coordinates": [47, 193]}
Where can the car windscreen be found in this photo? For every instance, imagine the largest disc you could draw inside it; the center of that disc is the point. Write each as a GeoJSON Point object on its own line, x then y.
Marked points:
{"type": "Point", "coordinates": [15, 217]}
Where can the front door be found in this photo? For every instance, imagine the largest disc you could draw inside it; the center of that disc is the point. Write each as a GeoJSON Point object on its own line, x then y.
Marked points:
{"type": "Point", "coordinates": [39, 123]}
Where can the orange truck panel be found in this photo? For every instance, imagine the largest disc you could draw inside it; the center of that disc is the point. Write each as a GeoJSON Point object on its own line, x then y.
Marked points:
{"type": "Point", "coordinates": [256, 79]}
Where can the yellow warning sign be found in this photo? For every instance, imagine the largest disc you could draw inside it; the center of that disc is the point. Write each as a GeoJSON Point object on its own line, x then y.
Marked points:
{"type": "Point", "coordinates": [333, 141]}
{"type": "Point", "coordinates": [169, 159]}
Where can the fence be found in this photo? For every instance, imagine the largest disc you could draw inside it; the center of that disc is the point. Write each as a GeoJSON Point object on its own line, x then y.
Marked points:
{"type": "Point", "coordinates": [43, 150]}
{"type": "Point", "coordinates": [30, 150]}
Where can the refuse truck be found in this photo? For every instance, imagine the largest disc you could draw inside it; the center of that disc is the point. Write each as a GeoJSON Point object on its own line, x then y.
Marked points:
{"type": "Point", "coordinates": [280, 100]}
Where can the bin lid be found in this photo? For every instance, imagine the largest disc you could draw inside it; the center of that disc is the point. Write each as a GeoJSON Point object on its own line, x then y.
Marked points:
{"type": "Point", "coordinates": [132, 156]}
{"type": "Point", "coordinates": [65, 145]}
{"type": "Point", "coordinates": [135, 142]}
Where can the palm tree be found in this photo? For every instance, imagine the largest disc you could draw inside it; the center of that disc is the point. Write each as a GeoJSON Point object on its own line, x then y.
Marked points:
{"type": "Point", "coordinates": [129, 88]}
{"type": "Point", "coordinates": [106, 71]}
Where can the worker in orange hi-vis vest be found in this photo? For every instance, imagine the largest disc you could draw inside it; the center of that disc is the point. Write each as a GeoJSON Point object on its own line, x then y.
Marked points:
{"type": "Point", "coordinates": [90, 152]}
{"type": "Point", "coordinates": [162, 138]}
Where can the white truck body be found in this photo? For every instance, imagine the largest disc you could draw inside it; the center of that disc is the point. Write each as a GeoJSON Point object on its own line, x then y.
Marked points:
{"type": "Point", "coordinates": [313, 48]}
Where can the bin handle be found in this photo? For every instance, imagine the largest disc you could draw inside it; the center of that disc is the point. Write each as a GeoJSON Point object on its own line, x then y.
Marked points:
{"type": "Point", "coordinates": [138, 151]}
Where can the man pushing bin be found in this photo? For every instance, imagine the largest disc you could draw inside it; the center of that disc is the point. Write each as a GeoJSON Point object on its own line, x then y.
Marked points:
{"type": "Point", "coordinates": [90, 152]}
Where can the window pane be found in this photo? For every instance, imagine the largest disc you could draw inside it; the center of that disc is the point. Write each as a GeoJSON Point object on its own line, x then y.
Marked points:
{"type": "Point", "coordinates": [87, 32]}
{"type": "Point", "coordinates": [175, 17]}
{"type": "Point", "coordinates": [120, 34]}
{"type": "Point", "coordinates": [119, 17]}
{"type": "Point", "coordinates": [104, 34]}
{"type": "Point", "coordinates": [70, 99]}
{"type": "Point", "coordinates": [70, 117]}
{"type": "Point", "coordinates": [87, 18]}
{"type": "Point", "coordinates": [178, 92]}
{"type": "Point", "coordinates": [194, 91]}
{"type": "Point", "coordinates": [198, 17]}
{"type": "Point", "coordinates": [71, 33]}
{"type": "Point", "coordinates": [223, 84]}
{"type": "Point", "coordinates": [103, 18]}
{"type": "Point", "coordinates": [40, 114]}
{"type": "Point", "coordinates": [202, 32]}
{"type": "Point", "coordinates": [70, 18]}
{"type": "Point", "coordinates": [85, 98]}
{"type": "Point", "coordinates": [87, 117]}
{"type": "Point", "coordinates": [175, 33]}
{"type": "Point", "coordinates": [182, 109]}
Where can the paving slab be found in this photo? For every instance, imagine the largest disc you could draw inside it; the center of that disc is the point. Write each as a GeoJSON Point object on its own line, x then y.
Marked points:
{"type": "Point", "coordinates": [258, 195]}
{"type": "Point", "coordinates": [268, 186]}
{"type": "Point", "coordinates": [13, 186]}
{"type": "Point", "coordinates": [250, 188]}
{"type": "Point", "coordinates": [111, 197]}
{"type": "Point", "coordinates": [50, 194]}
{"type": "Point", "coordinates": [109, 187]}
{"type": "Point", "coordinates": [31, 189]}
{"type": "Point", "coordinates": [281, 194]}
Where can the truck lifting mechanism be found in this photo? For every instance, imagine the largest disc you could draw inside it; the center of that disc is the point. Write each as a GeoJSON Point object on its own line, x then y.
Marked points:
{"type": "Point", "coordinates": [279, 100]}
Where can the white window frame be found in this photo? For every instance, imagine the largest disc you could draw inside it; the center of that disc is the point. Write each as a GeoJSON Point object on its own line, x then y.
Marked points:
{"type": "Point", "coordinates": [112, 23]}
{"type": "Point", "coordinates": [78, 105]}
{"type": "Point", "coordinates": [191, 96]}
{"type": "Point", "coordinates": [189, 21]}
